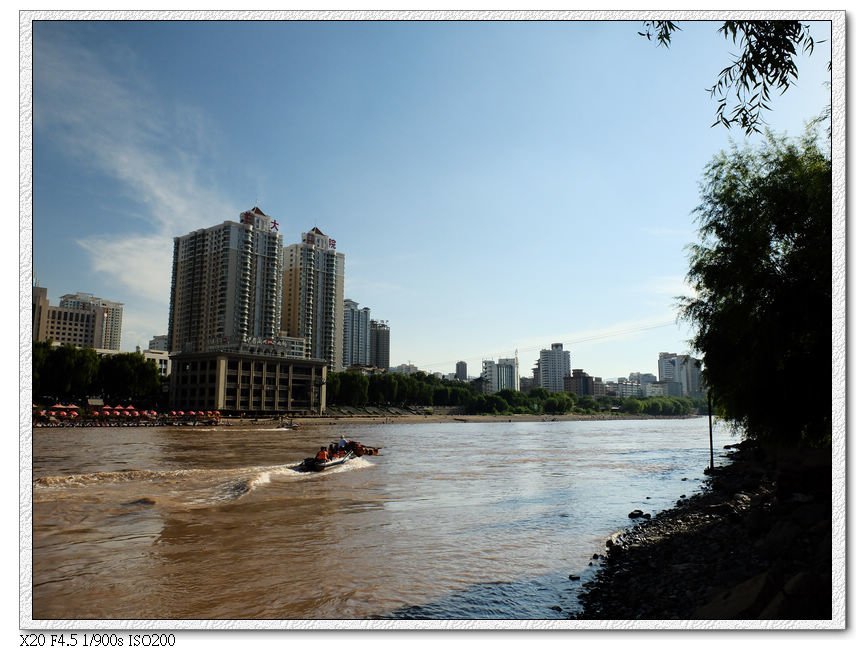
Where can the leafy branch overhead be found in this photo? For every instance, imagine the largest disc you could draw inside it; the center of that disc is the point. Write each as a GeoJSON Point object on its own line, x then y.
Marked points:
{"type": "Point", "coordinates": [765, 63]}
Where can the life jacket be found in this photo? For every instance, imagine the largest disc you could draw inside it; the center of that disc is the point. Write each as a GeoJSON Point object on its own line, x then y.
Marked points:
{"type": "Point", "coordinates": [322, 455]}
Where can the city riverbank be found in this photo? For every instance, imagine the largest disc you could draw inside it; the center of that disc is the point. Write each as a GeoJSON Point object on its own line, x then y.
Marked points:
{"type": "Point", "coordinates": [757, 545]}
{"type": "Point", "coordinates": [410, 418]}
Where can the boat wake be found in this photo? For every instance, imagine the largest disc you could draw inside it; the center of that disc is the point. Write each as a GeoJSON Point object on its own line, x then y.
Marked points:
{"type": "Point", "coordinates": [193, 486]}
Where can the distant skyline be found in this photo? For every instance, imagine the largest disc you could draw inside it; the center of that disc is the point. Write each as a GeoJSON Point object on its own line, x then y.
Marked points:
{"type": "Point", "coordinates": [495, 186]}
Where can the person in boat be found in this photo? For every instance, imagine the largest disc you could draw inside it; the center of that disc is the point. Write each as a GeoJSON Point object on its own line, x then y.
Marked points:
{"type": "Point", "coordinates": [322, 454]}
{"type": "Point", "coordinates": [332, 450]}
{"type": "Point", "coordinates": [342, 443]}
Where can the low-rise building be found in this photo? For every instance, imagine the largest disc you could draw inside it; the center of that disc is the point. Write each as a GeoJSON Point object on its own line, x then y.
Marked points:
{"type": "Point", "coordinates": [238, 382]}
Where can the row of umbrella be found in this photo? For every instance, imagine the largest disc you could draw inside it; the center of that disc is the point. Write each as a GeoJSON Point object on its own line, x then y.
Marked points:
{"type": "Point", "coordinates": [72, 411]}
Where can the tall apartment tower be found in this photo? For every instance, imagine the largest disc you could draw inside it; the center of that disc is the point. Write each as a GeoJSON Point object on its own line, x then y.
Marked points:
{"type": "Point", "coordinates": [554, 365]}
{"type": "Point", "coordinates": [379, 344]}
{"type": "Point", "coordinates": [668, 364]}
{"type": "Point", "coordinates": [356, 335]}
{"type": "Point", "coordinates": [313, 294]}
{"type": "Point", "coordinates": [462, 371]}
{"type": "Point", "coordinates": [226, 285]}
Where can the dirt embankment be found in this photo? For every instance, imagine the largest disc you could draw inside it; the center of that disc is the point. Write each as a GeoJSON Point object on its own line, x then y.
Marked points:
{"type": "Point", "coordinates": [757, 545]}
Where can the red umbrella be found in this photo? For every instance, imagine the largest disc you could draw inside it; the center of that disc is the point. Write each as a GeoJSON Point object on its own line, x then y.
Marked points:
{"type": "Point", "coordinates": [115, 412]}
{"type": "Point", "coordinates": [130, 408]}
{"type": "Point", "coordinates": [95, 414]}
{"type": "Point", "coordinates": [62, 414]}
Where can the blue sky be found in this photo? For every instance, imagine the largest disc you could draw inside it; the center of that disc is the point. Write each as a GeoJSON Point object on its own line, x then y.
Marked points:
{"type": "Point", "coordinates": [495, 186]}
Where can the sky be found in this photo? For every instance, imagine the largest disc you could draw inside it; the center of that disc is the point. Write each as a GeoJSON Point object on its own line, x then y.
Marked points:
{"type": "Point", "coordinates": [495, 186]}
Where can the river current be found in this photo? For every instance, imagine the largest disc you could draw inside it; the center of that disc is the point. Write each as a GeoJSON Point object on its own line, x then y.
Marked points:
{"type": "Point", "coordinates": [452, 521]}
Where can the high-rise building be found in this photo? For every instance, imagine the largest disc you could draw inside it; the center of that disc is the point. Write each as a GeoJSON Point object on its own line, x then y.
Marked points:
{"type": "Point", "coordinates": [226, 285]}
{"type": "Point", "coordinates": [356, 335]}
{"type": "Point", "coordinates": [680, 369]}
{"type": "Point", "coordinates": [642, 378]}
{"type": "Point", "coordinates": [554, 365]}
{"type": "Point", "coordinates": [504, 375]}
{"type": "Point", "coordinates": [108, 321]}
{"type": "Point", "coordinates": [227, 349]}
{"type": "Point", "coordinates": [313, 287]}
{"type": "Point", "coordinates": [379, 344]}
{"type": "Point", "coordinates": [81, 319]}
{"type": "Point", "coordinates": [462, 371]}
{"type": "Point", "coordinates": [159, 343]}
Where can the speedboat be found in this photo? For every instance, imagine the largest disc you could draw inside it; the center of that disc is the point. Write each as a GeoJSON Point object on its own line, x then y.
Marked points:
{"type": "Point", "coordinates": [314, 465]}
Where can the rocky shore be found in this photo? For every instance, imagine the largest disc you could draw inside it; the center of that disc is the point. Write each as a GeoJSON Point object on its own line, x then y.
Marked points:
{"type": "Point", "coordinates": [757, 545]}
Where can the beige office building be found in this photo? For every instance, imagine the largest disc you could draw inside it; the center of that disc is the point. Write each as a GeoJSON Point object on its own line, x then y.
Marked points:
{"type": "Point", "coordinates": [81, 319]}
{"type": "Point", "coordinates": [240, 382]}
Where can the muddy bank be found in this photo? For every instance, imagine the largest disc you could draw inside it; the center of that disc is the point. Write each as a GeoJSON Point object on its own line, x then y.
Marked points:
{"type": "Point", "coordinates": [757, 544]}
{"type": "Point", "coordinates": [411, 418]}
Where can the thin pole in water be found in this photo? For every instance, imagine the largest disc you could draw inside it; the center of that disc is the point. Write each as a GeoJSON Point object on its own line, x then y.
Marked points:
{"type": "Point", "coordinates": [711, 446]}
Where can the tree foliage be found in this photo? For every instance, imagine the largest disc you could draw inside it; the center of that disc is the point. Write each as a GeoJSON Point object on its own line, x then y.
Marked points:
{"type": "Point", "coordinates": [766, 63]}
{"type": "Point", "coordinates": [67, 373]}
{"type": "Point", "coordinates": [763, 279]}
{"type": "Point", "coordinates": [420, 389]}
{"type": "Point", "coordinates": [128, 376]}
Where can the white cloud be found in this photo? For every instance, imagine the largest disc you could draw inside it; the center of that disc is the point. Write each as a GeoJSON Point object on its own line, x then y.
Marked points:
{"type": "Point", "coordinates": [152, 151]}
{"type": "Point", "coordinates": [142, 264]}
{"type": "Point", "coordinates": [671, 286]}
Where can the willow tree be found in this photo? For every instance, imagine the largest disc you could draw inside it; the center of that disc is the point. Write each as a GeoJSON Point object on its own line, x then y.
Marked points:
{"type": "Point", "coordinates": [762, 273]}
{"type": "Point", "coordinates": [764, 64]}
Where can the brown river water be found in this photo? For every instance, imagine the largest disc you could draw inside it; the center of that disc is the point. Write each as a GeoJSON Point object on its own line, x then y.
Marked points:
{"type": "Point", "coordinates": [452, 521]}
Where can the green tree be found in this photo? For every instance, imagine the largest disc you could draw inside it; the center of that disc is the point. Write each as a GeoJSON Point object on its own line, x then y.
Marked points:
{"type": "Point", "coordinates": [586, 403]}
{"type": "Point", "coordinates": [41, 351]}
{"type": "Point", "coordinates": [633, 405]}
{"type": "Point", "coordinates": [69, 373]}
{"type": "Point", "coordinates": [763, 279]}
{"type": "Point", "coordinates": [354, 388]}
{"type": "Point", "coordinates": [766, 63]}
{"type": "Point", "coordinates": [558, 403]}
{"type": "Point", "coordinates": [128, 376]}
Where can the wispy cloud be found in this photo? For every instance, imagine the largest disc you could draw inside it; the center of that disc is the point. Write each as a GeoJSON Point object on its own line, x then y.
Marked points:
{"type": "Point", "coordinates": [618, 331]}
{"type": "Point", "coordinates": [151, 149]}
{"type": "Point", "coordinates": [667, 286]}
